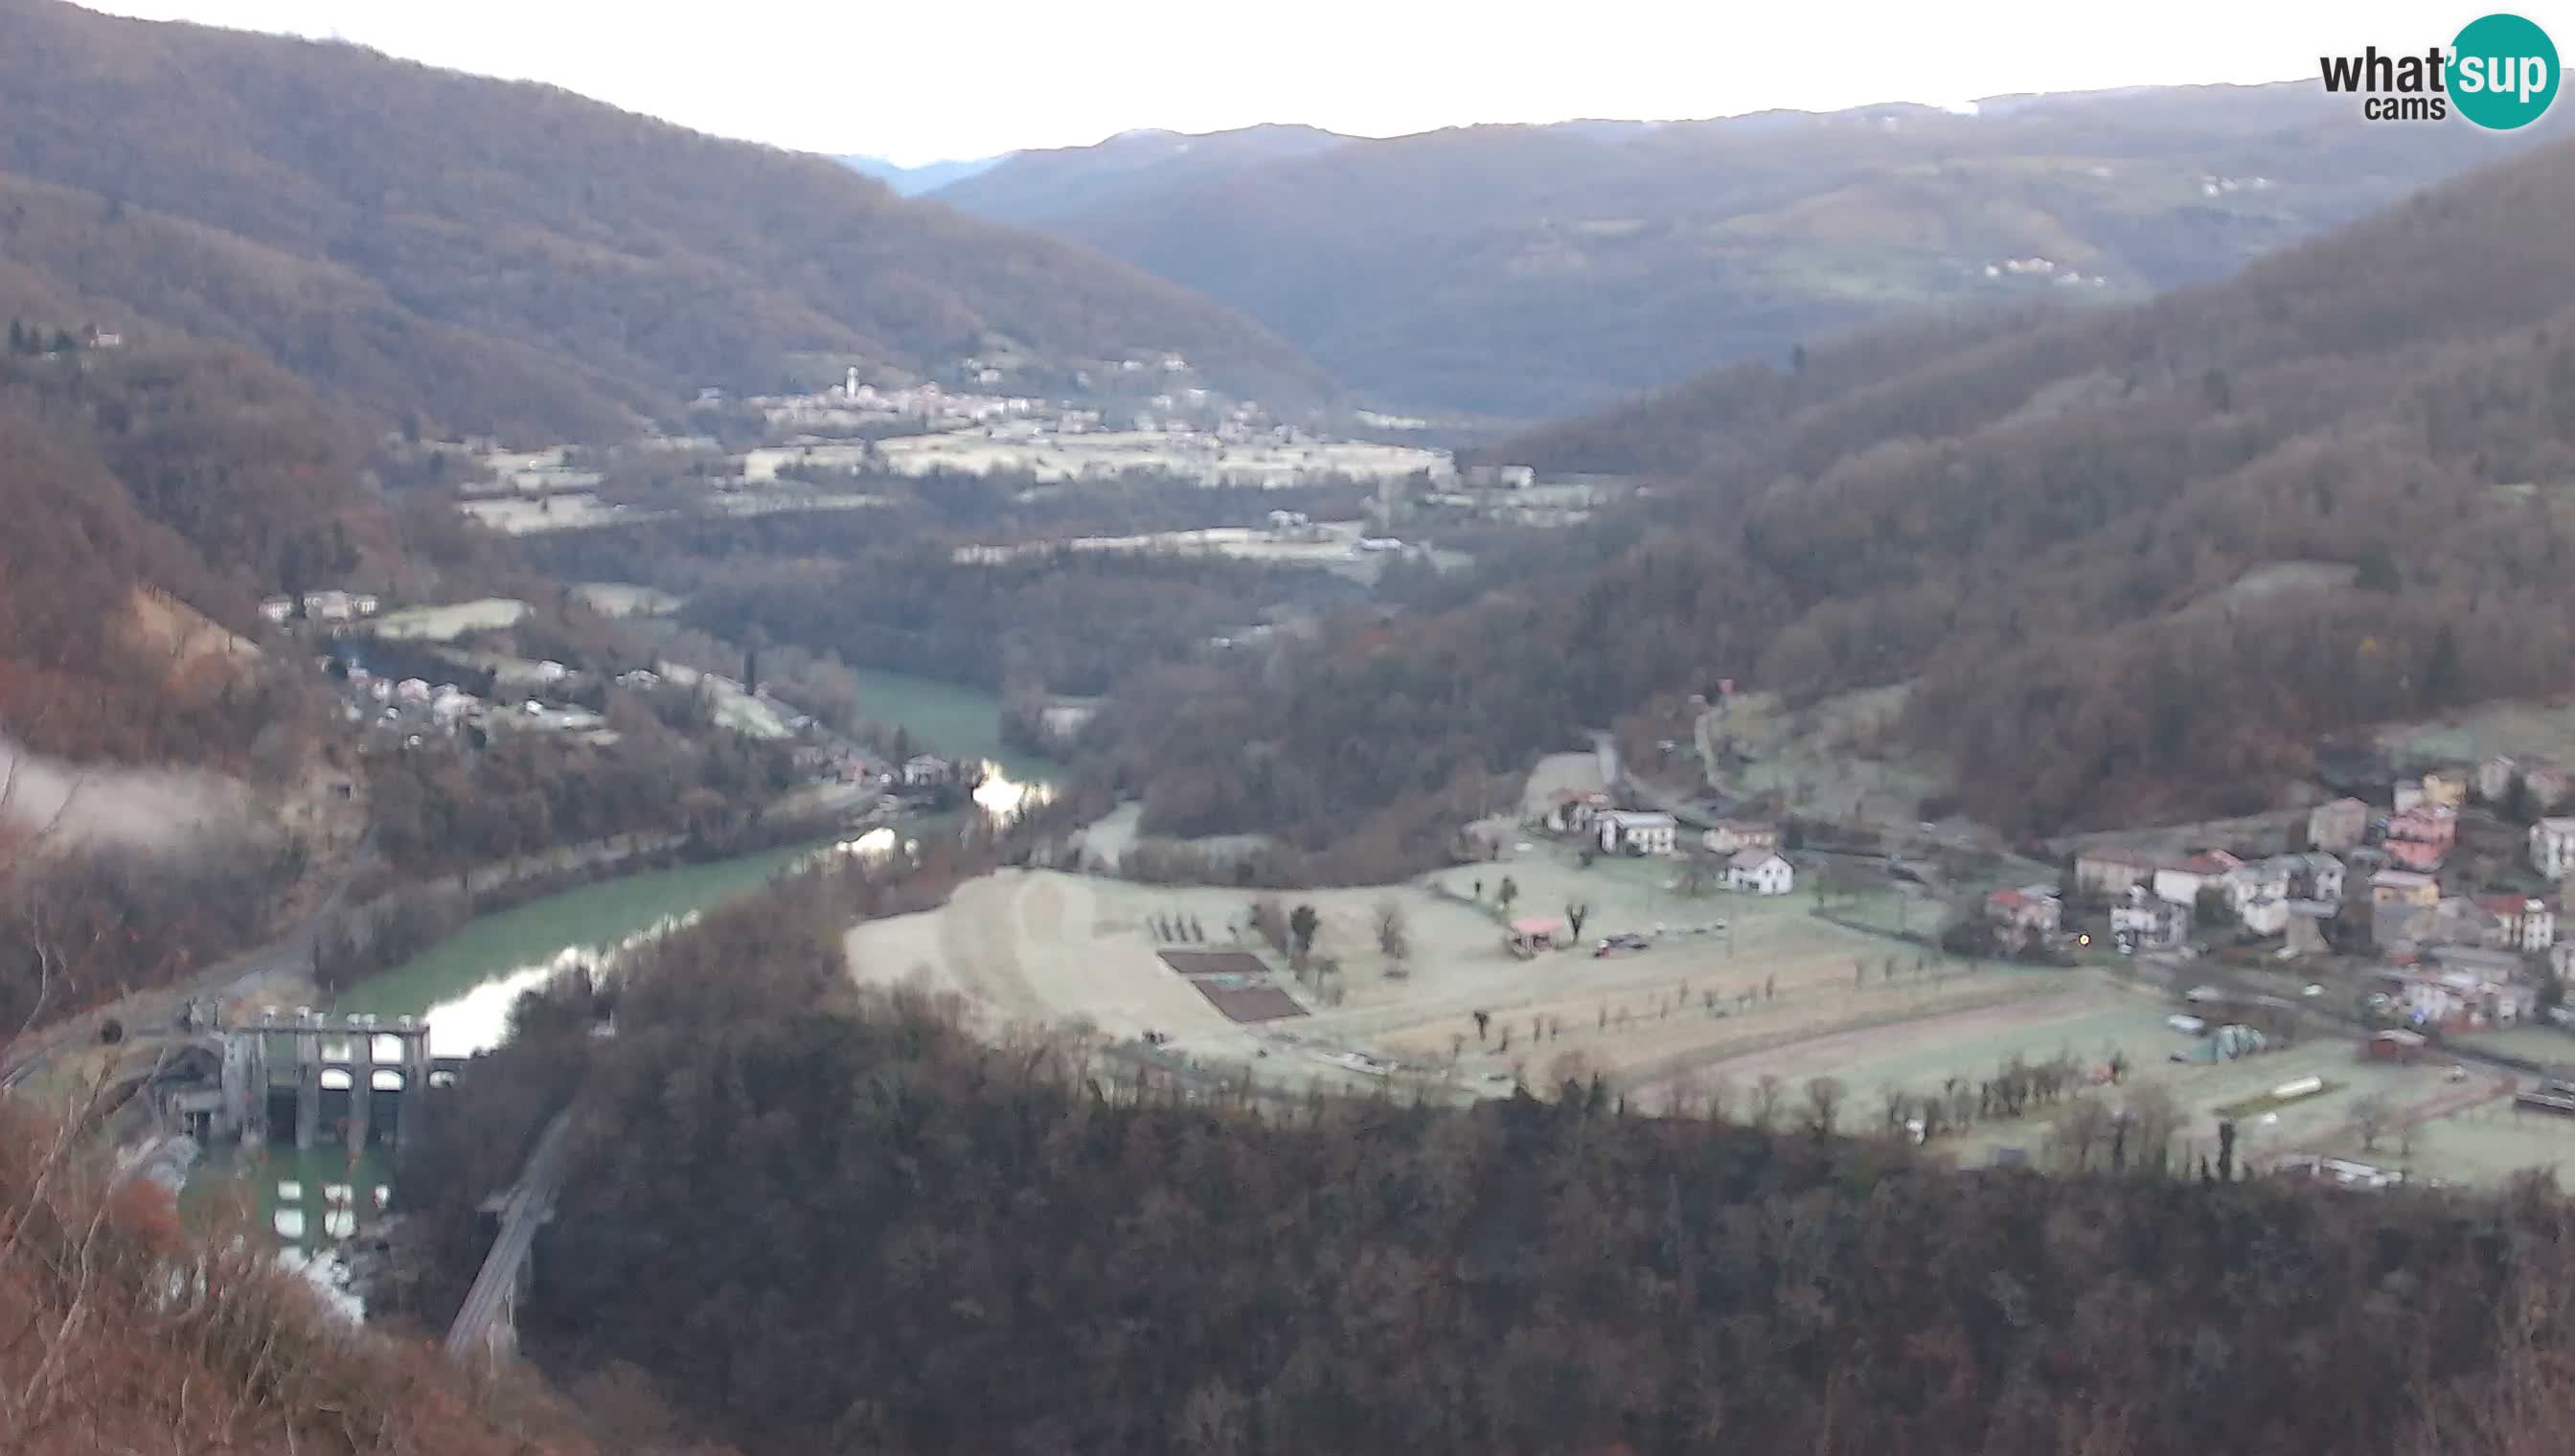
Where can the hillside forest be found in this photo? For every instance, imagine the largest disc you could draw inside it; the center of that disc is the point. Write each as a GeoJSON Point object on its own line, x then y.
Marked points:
{"type": "Point", "coordinates": [1207, 1272]}
{"type": "Point", "coordinates": [486, 256]}
{"type": "Point", "coordinates": [2033, 523]}
{"type": "Point", "coordinates": [1533, 271]}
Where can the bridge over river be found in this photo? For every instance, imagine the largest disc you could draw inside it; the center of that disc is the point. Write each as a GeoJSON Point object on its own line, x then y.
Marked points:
{"type": "Point", "coordinates": [487, 1323]}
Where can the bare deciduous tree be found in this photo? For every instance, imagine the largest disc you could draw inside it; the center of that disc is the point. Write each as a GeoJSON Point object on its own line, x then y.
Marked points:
{"type": "Point", "coordinates": [1394, 931]}
{"type": "Point", "coordinates": [1766, 1093]}
{"type": "Point", "coordinates": [1824, 1104]}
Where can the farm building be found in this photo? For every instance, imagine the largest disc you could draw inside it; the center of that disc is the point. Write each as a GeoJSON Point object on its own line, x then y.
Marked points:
{"type": "Point", "coordinates": [2398, 1045]}
{"type": "Point", "coordinates": [1633, 832]}
{"type": "Point", "coordinates": [1762, 871]}
{"type": "Point", "coordinates": [2112, 871]}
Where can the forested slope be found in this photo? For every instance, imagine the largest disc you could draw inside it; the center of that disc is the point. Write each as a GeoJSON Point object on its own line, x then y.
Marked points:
{"type": "Point", "coordinates": [186, 468]}
{"type": "Point", "coordinates": [494, 255]}
{"type": "Point", "coordinates": [2008, 514]}
{"type": "Point", "coordinates": [855, 1216]}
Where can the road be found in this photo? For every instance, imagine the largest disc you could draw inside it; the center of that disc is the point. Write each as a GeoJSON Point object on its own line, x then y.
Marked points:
{"type": "Point", "coordinates": [522, 1214]}
{"type": "Point", "coordinates": [158, 1008]}
{"type": "Point", "coordinates": [1615, 775]}
{"type": "Point", "coordinates": [1604, 749]}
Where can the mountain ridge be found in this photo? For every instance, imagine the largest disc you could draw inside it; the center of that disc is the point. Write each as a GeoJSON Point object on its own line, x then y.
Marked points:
{"type": "Point", "coordinates": [636, 260]}
{"type": "Point", "coordinates": [1602, 262]}
{"type": "Point", "coordinates": [2002, 515]}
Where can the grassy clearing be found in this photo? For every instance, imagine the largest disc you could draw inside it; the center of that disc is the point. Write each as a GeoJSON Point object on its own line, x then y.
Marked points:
{"type": "Point", "coordinates": [446, 623]}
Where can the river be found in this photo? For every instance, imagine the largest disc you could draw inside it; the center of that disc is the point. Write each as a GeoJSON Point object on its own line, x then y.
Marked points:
{"type": "Point", "coordinates": [464, 986]}
{"type": "Point", "coordinates": [948, 717]}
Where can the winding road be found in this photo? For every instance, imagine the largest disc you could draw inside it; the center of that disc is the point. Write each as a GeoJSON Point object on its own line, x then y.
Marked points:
{"type": "Point", "coordinates": [158, 1010]}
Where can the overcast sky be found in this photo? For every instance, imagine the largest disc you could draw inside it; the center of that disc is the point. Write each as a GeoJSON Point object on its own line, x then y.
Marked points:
{"type": "Point", "coordinates": [919, 81]}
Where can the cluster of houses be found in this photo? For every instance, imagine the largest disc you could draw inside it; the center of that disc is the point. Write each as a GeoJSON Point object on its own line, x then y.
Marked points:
{"type": "Point", "coordinates": [2371, 877]}
{"type": "Point", "coordinates": [415, 708]}
{"type": "Point", "coordinates": [2155, 900]}
{"type": "Point", "coordinates": [1747, 850]}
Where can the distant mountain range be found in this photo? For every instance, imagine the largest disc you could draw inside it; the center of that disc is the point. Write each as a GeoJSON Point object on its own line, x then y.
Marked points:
{"type": "Point", "coordinates": [928, 177]}
{"type": "Point", "coordinates": [1043, 188]}
{"type": "Point", "coordinates": [1535, 271]}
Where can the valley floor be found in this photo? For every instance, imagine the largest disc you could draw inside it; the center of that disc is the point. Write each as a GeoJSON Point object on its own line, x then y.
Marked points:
{"type": "Point", "coordinates": [1733, 989]}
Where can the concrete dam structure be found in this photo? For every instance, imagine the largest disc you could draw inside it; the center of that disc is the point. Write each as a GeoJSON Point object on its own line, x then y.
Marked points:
{"type": "Point", "coordinates": [350, 1080]}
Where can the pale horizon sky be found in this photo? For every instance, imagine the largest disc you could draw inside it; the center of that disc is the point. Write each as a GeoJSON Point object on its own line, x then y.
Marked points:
{"type": "Point", "coordinates": [922, 83]}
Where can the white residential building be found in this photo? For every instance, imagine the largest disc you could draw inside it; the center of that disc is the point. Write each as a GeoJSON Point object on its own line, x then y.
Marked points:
{"type": "Point", "coordinates": [2181, 884]}
{"type": "Point", "coordinates": [2323, 875]}
{"type": "Point", "coordinates": [2552, 847]}
{"type": "Point", "coordinates": [1762, 871]}
{"type": "Point", "coordinates": [1636, 833]}
{"type": "Point", "coordinates": [2141, 922]}
{"type": "Point", "coordinates": [2259, 880]}
{"type": "Point", "coordinates": [2263, 914]}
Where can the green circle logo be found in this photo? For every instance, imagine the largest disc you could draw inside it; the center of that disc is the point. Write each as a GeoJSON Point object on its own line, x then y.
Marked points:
{"type": "Point", "coordinates": [2503, 72]}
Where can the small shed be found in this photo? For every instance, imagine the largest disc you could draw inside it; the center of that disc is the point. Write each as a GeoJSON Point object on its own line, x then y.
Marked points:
{"type": "Point", "coordinates": [2398, 1045]}
{"type": "Point", "coordinates": [1534, 934]}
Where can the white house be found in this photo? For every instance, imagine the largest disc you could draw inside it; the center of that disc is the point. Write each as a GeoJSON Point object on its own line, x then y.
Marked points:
{"type": "Point", "coordinates": [2552, 847]}
{"type": "Point", "coordinates": [926, 769]}
{"type": "Point", "coordinates": [2141, 922]}
{"type": "Point", "coordinates": [278, 608]}
{"type": "Point", "coordinates": [1762, 871]}
{"type": "Point", "coordinates": [2321, 878]}
{"type": "Point", "coordinates": [2263, 914]}
{"type": "Point", "coordinates": [1638, 833]}
{"type": "Point", "coordinates": [2259, 880]}
{"type": "Point", "coordinates": [2181, 884]}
